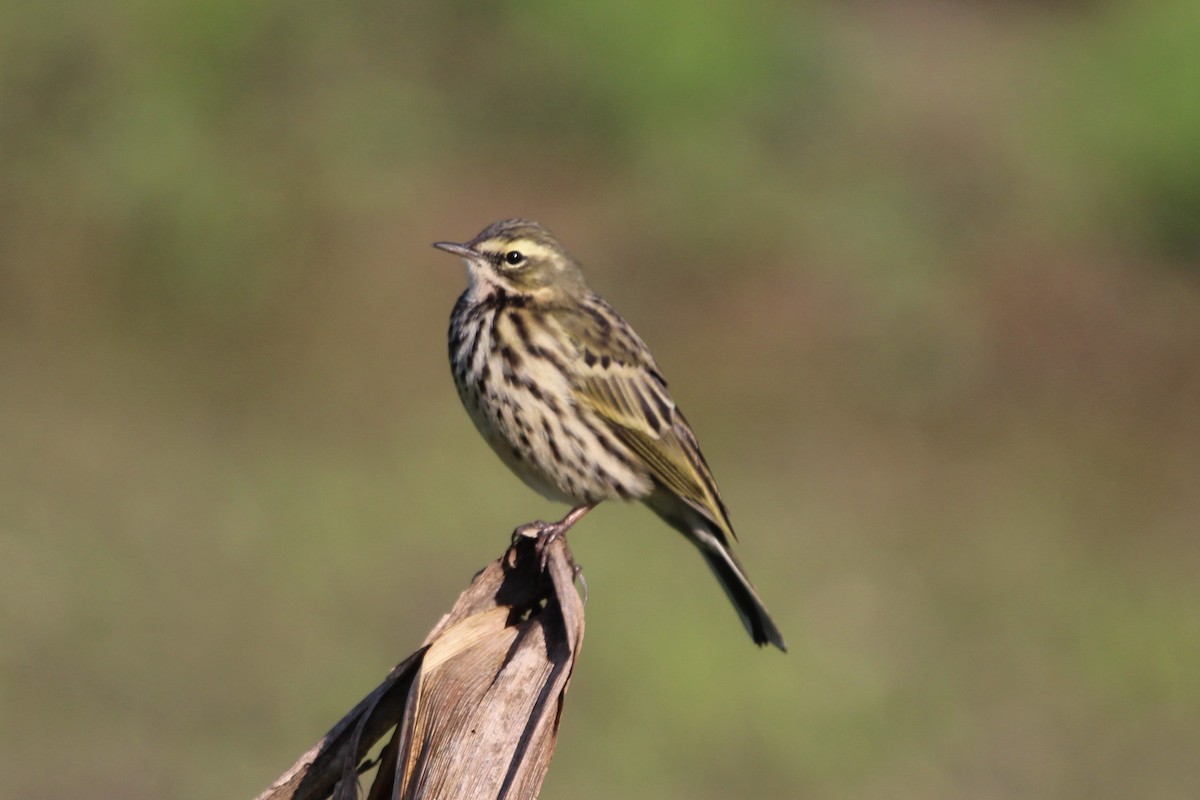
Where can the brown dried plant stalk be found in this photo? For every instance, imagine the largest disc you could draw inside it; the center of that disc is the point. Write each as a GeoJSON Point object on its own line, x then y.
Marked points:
{"type": "Point", "coordinates": [474, 712]}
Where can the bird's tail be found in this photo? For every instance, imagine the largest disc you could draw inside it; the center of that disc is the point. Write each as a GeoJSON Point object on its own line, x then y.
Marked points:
{"type": "Point", "coordinates": [714, 545]}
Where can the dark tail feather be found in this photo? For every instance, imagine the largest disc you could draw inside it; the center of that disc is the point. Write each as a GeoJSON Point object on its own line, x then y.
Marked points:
{"type": "Point", "coordinates": [737, 586]}
{"type": "Point", "coordinates": [714, 546]}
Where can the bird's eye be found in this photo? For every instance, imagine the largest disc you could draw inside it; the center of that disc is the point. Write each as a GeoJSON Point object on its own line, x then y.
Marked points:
{"type": "Point", "coordinates": [514, 257]}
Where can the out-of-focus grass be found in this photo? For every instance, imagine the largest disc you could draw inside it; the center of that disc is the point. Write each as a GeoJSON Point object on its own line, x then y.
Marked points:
{"type": "Point", "coordinates": [924, 279]}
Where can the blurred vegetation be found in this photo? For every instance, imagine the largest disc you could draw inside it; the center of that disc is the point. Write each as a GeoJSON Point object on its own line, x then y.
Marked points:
{"type": "Point", "coordinates": [925, 277]}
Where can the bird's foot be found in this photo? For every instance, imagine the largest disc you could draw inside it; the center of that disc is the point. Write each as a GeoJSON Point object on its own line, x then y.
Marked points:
{"type": "Point", "coordinates": [545, 534]}
{"type": "Point", "coordinates": [532, 530]}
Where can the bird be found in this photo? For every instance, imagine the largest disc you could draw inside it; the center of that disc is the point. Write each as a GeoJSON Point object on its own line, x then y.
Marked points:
{"type": "Point", "coordinates": [573, 402]}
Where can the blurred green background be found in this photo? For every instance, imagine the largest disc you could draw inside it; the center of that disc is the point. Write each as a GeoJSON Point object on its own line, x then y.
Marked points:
{"type": "Point", "coordinates": [925, 277]}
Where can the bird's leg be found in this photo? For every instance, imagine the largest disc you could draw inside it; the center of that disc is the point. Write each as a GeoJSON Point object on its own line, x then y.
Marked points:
{"type": "Point", "coordinates": [546, 532]}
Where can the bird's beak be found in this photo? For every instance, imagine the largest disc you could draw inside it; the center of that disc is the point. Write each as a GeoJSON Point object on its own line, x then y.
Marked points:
{"type": "Point", "coordinates": [457, 249]}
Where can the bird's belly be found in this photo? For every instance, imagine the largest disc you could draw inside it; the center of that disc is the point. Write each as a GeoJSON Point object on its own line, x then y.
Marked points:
{"type": "Point", "coordinates": [528, 415]}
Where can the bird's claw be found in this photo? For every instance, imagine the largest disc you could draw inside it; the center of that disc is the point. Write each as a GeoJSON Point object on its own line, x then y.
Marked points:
{"type": "Point", "coordinates": [548, 536]}
{"type": "Point", "coordinates": [530, 530]}
{"type": "Point", "coordinates": [543, 534]}
{"type": "Point", "coordinates": [577, 574]}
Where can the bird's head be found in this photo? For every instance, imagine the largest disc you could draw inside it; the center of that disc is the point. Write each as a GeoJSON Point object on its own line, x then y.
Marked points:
{"type": "Point", "coordinates": [521, 257]}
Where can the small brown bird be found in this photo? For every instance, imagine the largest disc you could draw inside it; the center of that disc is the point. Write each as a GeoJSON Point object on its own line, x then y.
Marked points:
{"type": "Point", "coordinates": [572, 401]}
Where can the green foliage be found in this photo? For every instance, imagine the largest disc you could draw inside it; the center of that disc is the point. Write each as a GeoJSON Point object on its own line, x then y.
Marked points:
{"type": "Point", "coordinates": [1126, 124]}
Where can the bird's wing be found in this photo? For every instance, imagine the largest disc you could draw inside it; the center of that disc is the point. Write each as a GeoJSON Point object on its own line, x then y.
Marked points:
{"type": "Point", "coordinates": [617, 378]}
